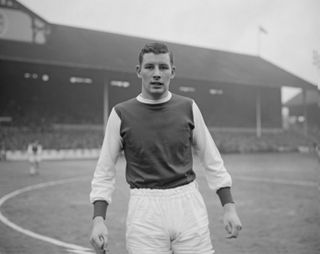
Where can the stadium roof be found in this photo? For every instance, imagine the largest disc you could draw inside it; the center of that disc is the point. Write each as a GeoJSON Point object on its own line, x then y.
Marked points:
{"type": "Point", "coordinates": [70, 46]}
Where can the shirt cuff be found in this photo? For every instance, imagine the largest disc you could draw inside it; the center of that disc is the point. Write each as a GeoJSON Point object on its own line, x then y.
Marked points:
{"type": "Point", "coordinates": [225, 195]}
{"type": "Point", "coordinates": [100, 208]}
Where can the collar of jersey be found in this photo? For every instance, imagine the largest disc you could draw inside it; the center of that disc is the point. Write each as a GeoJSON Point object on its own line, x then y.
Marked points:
{"type": "Point", "coordinates": [148, 101]}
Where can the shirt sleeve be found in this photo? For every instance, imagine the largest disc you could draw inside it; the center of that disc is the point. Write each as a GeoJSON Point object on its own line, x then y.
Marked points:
{"type": "Point", "coordinates": [208, 153]}
{"type": "Point", "coordinates": [103, 182]}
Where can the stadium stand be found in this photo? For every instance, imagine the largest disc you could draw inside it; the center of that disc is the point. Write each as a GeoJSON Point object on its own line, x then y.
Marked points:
{"type": "Point", "coordinates": [53, 94]}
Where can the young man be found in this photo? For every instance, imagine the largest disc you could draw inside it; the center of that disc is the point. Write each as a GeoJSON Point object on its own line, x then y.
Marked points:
{"type": "Point", "coordinates": [157, 131]}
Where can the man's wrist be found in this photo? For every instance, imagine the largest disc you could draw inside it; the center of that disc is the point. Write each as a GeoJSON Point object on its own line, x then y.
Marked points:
{"type": "Point", "coordinates": [98, 219]}
{"type": "Point", "coordinates": [229, 207]}
{"type": "Point", "coordinates": [225, 195]}
{"type": "Point", "coordinates": [100, 209]}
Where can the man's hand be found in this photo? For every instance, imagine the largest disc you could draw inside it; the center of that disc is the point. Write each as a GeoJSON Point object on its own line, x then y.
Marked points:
{"type": "Point", "coordinates": [99, 236]}
{"type": "Point", "coordinates": [231, 220]}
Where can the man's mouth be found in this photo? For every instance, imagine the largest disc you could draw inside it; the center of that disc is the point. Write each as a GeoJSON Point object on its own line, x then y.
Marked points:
{"type": "Point", "coordinates": [156, 83]}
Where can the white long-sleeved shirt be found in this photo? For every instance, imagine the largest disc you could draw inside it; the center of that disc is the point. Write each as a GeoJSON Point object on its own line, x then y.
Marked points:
{"type": "Point", "coordinates": [103, 182]}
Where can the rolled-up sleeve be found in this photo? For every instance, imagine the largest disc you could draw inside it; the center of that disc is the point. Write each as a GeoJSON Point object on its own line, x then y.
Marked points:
{"type": "Point", "coordinates": [103, 182]}
{"type": "Point", "coordinates": [208, 153]}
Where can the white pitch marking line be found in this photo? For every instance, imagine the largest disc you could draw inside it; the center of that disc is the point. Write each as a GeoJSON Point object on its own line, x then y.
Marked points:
{"type": "Point", "coordinates": [277, 181]}
{"type": "Point", "coordinates": [71, 247]}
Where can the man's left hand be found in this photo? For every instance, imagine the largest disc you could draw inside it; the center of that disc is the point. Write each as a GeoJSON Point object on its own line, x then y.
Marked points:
{"type": "Point", "coordinates": [231, 220]}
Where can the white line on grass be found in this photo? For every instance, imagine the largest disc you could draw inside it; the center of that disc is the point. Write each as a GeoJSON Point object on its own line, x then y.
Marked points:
{"type": "Point", "coordinates": [73, 248]}
{"type": "Point", "coordinates": [69, 246]}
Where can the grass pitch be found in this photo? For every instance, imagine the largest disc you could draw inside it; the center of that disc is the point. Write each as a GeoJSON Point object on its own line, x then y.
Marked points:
{"type": "Point", "coordinates": [277, 199]}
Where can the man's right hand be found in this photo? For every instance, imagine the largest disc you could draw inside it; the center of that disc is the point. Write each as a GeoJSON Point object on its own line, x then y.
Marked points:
{"type": "Point", "coordinates": [99, 235]}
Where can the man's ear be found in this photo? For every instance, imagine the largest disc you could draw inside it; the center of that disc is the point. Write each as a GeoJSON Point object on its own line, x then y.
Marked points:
{"type": "Point", "coordinates": [173, 71]}
{"type": "Point", "coordinates": [138, 69]}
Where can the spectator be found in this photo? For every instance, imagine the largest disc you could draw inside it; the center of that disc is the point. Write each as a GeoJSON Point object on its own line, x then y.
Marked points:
{"type": "Point", "coordinates": [34, 155]}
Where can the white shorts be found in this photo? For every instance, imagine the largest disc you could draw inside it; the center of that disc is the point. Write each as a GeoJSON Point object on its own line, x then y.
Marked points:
{"type": "Point", "coordinates": [34, 159]}
{"type": "Point", "coordinates": [168, 221]}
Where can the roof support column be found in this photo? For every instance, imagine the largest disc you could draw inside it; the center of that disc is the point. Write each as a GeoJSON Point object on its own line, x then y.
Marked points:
{"type": "Point", "coordinates": [258, 114]}
{"type": "Point", "coordinates": [305, 114]}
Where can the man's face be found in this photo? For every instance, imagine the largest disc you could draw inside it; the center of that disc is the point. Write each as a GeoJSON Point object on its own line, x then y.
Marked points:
{"type": "Point", "coordinates": [155, 72]}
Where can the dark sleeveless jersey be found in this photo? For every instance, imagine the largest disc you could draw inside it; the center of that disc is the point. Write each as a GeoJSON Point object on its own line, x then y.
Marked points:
{"type": "Point", "coordinates": [157, 141]}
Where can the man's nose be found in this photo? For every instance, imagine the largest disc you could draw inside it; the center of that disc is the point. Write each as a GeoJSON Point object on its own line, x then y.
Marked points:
{"type": "Point", "coordinates": [156, 73]}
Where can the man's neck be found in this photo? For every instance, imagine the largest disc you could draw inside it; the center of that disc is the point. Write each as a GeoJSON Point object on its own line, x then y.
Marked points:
{"type": "Point", "coordinates": [166, 98]}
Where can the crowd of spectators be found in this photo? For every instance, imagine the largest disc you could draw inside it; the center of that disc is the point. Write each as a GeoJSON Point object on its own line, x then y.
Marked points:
{"type": "Point", "coordinates": [18, 138]}
{"type": "Point", "coordinates": [270, 141]}
{"type": "Point", "coordinates": [89, 137]}
{"type": "Point", "coordinates": [27, 126]}
{"type": "Point", "coordinates": [69, 131]}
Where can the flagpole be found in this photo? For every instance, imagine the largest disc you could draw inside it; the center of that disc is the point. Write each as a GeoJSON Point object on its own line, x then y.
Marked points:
{"type": "Point", "coordinates": [259, 32]}
{"type": "Point", "coordinates": [258, 42]}
{"type": "Point", "coordinates": [258, 95]}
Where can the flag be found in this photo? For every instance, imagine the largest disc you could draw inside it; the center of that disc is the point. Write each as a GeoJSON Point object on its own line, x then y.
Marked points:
{"type": "Point", "coordinates": [262, 30]}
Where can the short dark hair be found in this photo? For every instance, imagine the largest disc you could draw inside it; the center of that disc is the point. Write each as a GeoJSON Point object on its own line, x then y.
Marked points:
{"type": "Point", "coordinates": [155, 48]}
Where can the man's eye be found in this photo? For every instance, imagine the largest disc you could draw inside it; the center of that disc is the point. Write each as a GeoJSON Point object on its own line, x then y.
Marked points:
{"type": "Point", "coordinates": [164, 67]}
{"type": "Point", "coordinates": [148, 67]}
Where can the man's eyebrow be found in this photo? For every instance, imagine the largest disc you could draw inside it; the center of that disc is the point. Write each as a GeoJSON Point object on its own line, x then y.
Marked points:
{"type": "Point", "coordinates": [152, 64]}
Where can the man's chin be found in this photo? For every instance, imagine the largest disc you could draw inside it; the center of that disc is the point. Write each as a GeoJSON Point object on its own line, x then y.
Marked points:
{"type": "Point", "coordinates": [157, 93]}
{"type": "Point", "coordinates": [157, 90]}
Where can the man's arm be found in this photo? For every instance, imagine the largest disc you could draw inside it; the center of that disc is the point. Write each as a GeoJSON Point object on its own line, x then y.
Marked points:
{"type": "Point", "coordinates": [103, 182]}
{"type": "Point", "coordinates": [217, 176]}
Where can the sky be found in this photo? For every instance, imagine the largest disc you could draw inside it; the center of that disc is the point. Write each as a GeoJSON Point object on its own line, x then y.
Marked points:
{"type": "Point", "coordinates": [291, 37]}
